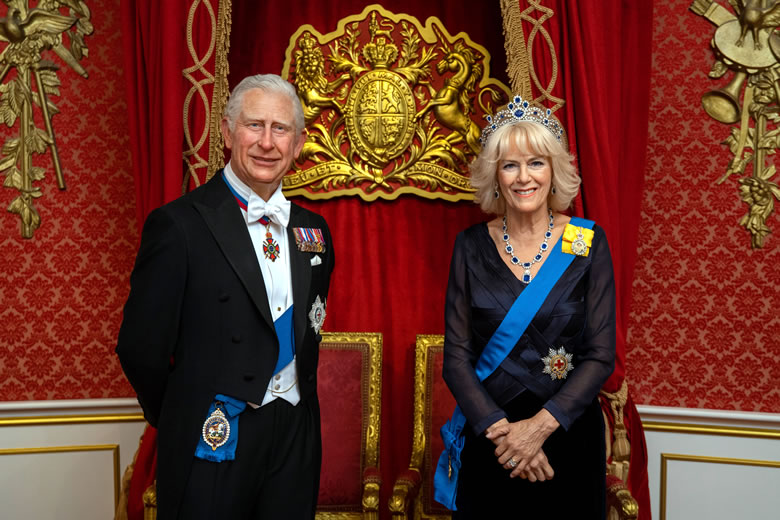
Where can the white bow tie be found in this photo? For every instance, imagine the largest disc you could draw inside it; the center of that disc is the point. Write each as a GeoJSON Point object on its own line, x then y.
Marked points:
{"type": "Point", "coordinates": [257, 208]}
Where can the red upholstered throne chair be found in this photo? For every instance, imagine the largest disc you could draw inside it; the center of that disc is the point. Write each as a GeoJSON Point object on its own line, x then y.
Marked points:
{"type": "Point", "coordinates": [433, 405]}
{"type": "Point", "coordinates": [350, 389]}
{"type": "Point", "coordinates": [349, 383]}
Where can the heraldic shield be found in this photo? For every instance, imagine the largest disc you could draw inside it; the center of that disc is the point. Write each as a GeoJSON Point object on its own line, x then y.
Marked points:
{"type": "Point", "coordinates": [391, 107]}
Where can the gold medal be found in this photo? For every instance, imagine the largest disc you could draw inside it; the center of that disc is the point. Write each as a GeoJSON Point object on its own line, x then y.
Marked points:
{"type": "Point", "coordinates": [216, 429]}
{"type": "Point", "coordinates": [579, 247]}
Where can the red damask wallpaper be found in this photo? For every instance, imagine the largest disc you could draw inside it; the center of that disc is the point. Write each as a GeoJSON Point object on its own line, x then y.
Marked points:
{"type": "Point", "coordinates": [61, 292]}
{"type": "Point", "coordinates": [704, 330]}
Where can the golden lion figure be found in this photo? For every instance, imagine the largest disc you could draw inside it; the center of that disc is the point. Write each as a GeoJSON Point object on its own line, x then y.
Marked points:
{"type": "Point", "coordinates": [313, 88]}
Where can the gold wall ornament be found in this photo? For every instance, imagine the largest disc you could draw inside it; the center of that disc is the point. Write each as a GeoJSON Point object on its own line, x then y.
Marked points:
{"type": "Point", "coordinates": [746, 44]}
{"type": "Point", "coordinates": [27, 32]}
{"type": "Point", "coordinates": [391, 107]}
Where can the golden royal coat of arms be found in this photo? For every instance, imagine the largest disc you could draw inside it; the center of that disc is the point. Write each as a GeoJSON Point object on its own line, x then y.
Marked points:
{"type": "Point", "coordinates": [391, 107]}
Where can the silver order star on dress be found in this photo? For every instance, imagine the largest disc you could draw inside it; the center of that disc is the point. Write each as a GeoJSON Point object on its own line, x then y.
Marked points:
{"type": "Point", "coordinates": [557, 363]}
{"type": "Point", "coordinates": [526, 279]}
{"type": "Point", "coordinates": [519, 110]}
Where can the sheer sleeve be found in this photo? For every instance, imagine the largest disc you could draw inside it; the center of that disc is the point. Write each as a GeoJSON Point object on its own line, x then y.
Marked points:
{"type": "Point", "coordinates": [595, 357]}
{"type": "Point", "coordinates": [460, 352]}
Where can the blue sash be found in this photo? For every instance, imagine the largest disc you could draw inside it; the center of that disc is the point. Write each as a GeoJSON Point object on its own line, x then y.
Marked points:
{"type": "Point", "coordinates": [504, 339]}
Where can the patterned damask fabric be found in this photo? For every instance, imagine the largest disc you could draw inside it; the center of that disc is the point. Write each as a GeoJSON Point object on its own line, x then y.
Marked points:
{"type": "Point", "coordinates": [341, 408]}
{"type": "Point", "coordinates": [704, 328]}
{"type": "Point", "coordinates": [62, 291]}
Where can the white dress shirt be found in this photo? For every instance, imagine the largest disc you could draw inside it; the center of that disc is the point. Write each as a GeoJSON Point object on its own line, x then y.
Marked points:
{"type": "Point", "coordinates": [276, 276]}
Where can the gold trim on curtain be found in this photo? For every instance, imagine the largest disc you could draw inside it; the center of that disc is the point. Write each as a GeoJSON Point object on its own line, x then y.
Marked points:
{"type": "Point", "coordinates": [517, 62]}
{"type": "Point", "coordinates": [200, 169]}
{"type": "Point", "coordinates": [221, 89]}
{"type": "Point", "coordinates": [519, 51]}
{"type": "Point", "coordinates": [199, 77]}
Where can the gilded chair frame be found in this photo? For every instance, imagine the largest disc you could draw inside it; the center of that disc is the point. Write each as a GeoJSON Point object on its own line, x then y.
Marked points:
{"type": "Point", "coordinates": [408, 492]}
{"type": "Point", "coordinates": [370, 344]}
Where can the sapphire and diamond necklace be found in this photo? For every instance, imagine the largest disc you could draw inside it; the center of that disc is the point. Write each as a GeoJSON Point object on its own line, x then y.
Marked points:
{"type": "Point", "coordinates": [526, 278]}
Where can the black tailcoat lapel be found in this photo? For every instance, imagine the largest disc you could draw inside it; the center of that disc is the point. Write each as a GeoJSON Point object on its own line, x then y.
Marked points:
{"type": "Point", "coordinates": [223, 218]}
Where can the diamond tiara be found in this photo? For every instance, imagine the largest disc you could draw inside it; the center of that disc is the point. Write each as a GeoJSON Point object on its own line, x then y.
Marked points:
{"type": "Point", "coordinates": [521, 110]}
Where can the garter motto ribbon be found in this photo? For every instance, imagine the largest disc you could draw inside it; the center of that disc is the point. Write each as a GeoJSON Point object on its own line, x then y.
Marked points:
{"type": "Point", "coordinates": [499, 346]}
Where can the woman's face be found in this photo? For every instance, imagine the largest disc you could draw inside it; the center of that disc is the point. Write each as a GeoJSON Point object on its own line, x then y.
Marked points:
{"type": "Point", "coordinates": [524, 180]}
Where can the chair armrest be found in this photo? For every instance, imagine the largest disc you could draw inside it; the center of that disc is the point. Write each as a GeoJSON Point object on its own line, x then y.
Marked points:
{"type": "Point", "coordinates": [406, 487]}
{"type": "Point", "coordinates": [619, 498]}
{"type": "Point", "coordinates": [371, 481]}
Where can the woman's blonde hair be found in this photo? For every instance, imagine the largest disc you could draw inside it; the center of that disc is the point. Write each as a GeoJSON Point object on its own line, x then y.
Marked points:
{"type": "Point", "coordinates": [537, 140]}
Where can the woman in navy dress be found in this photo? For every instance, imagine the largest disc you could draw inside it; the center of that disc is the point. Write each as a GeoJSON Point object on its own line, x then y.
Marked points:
{"type": "Point", "coordinates": [534, 437]}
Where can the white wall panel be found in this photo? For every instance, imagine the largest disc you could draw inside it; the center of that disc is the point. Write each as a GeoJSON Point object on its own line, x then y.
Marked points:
{"type": "Point", "coordinates": [68, 482]}
{"type": "Point", "coordinates": [65, 459]}
{"type": "Point", "coordinates": [718, 487]}
{"type": "Point", "coordinates": [712, 464]}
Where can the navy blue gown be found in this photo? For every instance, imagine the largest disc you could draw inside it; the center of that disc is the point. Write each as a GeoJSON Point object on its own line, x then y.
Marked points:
{"type": "Point", "coordinates": [577, 315]}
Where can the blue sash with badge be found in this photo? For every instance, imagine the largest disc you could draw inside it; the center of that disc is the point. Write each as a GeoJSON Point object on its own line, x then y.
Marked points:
{"type": "Point", "coordinates": [504, 339]}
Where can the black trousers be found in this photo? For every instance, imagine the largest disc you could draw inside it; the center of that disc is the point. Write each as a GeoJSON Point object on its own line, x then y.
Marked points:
{"type": "Point", "coordinates": [578, 457]}
{"type": "Point", "coordinates": [276, 473]}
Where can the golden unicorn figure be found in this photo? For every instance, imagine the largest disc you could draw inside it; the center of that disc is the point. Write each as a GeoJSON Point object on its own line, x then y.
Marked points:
{"type": "Point", "coordinates": [452, 104]}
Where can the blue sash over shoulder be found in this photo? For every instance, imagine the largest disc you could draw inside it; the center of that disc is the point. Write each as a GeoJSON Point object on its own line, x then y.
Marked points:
{"type": "Point", "coordinates": [499, 346]}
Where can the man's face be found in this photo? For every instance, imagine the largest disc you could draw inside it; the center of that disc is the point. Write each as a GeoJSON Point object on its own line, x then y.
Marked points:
{"type": "Point", "coordinates": [264, 142]}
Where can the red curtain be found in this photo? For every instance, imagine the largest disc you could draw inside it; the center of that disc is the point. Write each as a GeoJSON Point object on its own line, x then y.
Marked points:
{"type": "Point", "coordinates": [604, 76]}
{"type": "Point", "coordinates": [610, 57]}
{"type": "Point", "coordinates": [154, 46]}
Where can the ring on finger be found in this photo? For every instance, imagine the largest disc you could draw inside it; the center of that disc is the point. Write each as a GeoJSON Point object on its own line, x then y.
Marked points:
{"type": "Point", "coordinates": [512, 462]}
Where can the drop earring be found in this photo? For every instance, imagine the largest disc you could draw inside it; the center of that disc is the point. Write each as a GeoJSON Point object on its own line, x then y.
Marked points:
{"type": "Point", "coordinates": [552, 190]}
{"type": "Point", "coordinates": [495, 190]}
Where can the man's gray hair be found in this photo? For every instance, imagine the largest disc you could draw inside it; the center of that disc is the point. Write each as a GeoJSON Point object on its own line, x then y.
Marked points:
{"type": "Point", "coordinates": [268, 83]}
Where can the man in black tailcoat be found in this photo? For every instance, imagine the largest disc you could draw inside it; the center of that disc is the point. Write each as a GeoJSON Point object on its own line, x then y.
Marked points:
{"type": "Point", "coordinates": [221, 329]}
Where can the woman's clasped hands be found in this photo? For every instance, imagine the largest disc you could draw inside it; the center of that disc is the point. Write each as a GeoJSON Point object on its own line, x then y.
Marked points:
{"type": "Point", "coordinates": [519, 445]}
